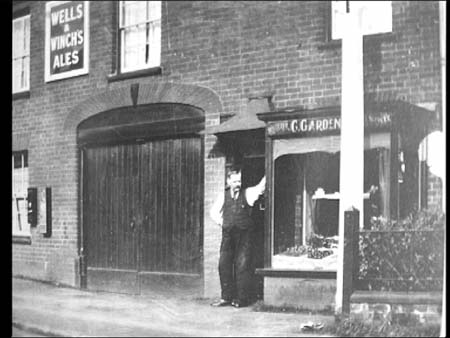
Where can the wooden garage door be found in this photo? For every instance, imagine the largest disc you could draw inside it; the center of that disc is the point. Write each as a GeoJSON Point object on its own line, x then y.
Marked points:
{"type": "Point", "coordinates": [142, 211]}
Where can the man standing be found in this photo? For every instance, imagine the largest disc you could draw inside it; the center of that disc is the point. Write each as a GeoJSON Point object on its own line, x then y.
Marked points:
{"type": "Point", "coordinates": [232, 210]}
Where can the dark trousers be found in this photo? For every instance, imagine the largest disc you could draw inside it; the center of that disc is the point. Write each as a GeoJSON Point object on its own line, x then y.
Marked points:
{"type": "Point", "coordinates": [235, 264]}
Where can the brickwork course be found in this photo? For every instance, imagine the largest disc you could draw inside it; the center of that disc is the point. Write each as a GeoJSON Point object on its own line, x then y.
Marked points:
{"type": "Point", "coordinates": [218, 53]}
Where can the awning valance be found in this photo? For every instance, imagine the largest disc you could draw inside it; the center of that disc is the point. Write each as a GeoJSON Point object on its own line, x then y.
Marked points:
{"type": "Point", "coordinates": [329, 144]}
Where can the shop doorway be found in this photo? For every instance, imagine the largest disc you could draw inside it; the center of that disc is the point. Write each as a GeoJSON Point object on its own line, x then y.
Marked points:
{"type": "Point", "coordinates": [253, 169]}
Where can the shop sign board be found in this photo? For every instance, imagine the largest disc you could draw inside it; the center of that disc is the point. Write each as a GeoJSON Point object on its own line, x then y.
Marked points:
{"type": "Point", "coordinates": [66, 39]}
{"type": "Point", "coordinates": [316, 126]}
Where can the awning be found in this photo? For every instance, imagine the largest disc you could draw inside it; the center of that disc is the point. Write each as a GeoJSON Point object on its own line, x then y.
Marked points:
{"type": "Point", "coordinates": [246, 120]}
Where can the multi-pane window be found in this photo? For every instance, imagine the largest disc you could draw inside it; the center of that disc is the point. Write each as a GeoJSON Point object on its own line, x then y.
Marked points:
{"type": "Point", "coordinates": [376, 16]}
{"type": "Point", "coordinates": [21, 54]}
{"type": "Point", "coordinates": [20, 225]}
{"type": "Point", "coordinates": [140, 35]}
{"type": "Point", "coordinates": [306, 204]}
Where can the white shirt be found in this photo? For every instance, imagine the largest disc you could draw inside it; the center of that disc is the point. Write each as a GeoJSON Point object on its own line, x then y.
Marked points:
{"type": "Point", "coordinates": [251, 195]}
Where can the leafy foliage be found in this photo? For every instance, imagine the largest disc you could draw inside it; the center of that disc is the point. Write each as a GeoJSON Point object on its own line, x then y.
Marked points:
{"type": "Point", "coordinates": [403, 256]}
{"type": "Point", "coordinates": [352, 327]}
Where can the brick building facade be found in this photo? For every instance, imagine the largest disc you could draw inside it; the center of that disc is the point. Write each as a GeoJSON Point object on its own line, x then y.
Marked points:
{"type": "Point", "coordinates": [214, 56]}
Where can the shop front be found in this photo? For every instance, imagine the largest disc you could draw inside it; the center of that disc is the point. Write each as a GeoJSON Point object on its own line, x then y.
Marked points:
{"type": "Point", "coordinates": [302, 196]}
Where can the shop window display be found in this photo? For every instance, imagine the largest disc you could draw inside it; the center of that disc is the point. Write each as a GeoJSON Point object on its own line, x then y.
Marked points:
{"type": "Point", "coordinates": [306, 208]}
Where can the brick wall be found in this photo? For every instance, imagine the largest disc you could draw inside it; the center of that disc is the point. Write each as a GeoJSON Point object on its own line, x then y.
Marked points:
{"type": "Point", "coordinates": [236, 49]}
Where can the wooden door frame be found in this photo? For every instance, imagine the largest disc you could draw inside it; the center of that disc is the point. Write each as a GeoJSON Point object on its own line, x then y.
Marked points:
{"type": "Point", "coordinates": [182, 120]}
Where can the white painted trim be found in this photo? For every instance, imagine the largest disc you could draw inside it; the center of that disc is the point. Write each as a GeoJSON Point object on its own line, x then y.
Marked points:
{"type": "Point", "coordinates": [27, 87]}
{"type": "Point", "coordinates": [443, 56]}
{"type": "Point", "coordinates": [351, 178]}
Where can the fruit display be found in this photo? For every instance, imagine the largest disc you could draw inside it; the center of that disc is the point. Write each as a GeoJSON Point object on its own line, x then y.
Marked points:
{"type": "Point", "coordinates": [296, 251]}
{"type": "Point", "coordinates": [318, 253]}
{"type": "Point", "coordinates": [317, 247]}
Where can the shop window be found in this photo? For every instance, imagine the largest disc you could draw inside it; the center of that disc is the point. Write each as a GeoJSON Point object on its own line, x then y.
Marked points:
{"type": "Point", "coordinates": [20, 225]}
{"type": "Point", "coordinates": [139, 35]}
{"type": "Point", "coordinates": [21, 54]}
{"type": "Point", "coordinates": [306, 206]}
{"type": "Point", "coordinates": [376, 16]}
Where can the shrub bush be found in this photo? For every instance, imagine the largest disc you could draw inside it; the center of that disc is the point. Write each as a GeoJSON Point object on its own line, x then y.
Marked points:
{"type": "Point", "coordinates": [351, 327]}
{"type": "Point", "coordinates": [403, 256]}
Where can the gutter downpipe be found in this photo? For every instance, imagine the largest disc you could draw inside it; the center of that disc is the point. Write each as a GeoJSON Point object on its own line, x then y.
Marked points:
{"type": "Point", "coordinates": [81, 256]}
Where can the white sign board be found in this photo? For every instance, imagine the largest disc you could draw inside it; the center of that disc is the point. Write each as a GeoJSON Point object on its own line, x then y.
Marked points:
{"type": "Point", "coordinates": [376, 17]}
{"type": "Point", "coordinates": [66, 39]}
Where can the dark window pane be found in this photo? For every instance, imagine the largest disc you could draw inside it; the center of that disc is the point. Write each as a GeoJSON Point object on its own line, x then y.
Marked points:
{"type": "Point", "coordinates": [20, 156]}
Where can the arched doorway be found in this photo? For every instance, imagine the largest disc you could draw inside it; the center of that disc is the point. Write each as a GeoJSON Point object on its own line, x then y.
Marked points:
{"type": "Point", "coordinates": [142, 198]}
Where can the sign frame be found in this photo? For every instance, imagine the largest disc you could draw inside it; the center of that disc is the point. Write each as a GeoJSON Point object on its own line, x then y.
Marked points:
{"type": "Point", "coordinates": [71, 73]}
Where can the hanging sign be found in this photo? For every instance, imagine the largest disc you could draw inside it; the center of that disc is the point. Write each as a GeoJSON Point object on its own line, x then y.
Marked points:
{"type": "Point", "coordinates": [66, 39]}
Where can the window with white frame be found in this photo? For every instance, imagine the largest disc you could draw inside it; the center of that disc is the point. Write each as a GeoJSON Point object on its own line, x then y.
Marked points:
{"type": "Point", "coordinates": [21, 54]}
{"type": "Point", "coordinates": [140, 35]}
{"type": "Point", "coordinates": [376, 16]}
{"type": "Point", "coordinates": [20, 225]}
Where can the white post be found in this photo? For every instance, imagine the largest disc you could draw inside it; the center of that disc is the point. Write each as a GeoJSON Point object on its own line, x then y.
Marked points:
{"type": "Point", "coordinates": [442, 40]}
{"type": "Point", "coordinates": [443, 45]}
{"type": "Point", "coordinates": [352, 133]}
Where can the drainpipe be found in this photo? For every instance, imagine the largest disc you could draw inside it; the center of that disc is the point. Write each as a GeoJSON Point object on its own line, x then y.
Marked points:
{"type": "Point", "coordinates": [442, 46]}
{"type": "Point", "coordinates": [81, 257]}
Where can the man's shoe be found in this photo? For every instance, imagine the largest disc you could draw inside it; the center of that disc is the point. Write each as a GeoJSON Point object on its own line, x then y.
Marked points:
{"type": "Point", "coordinates": [221, 302]}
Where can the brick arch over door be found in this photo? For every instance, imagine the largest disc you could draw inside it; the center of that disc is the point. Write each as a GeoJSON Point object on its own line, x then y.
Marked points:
{"type": "Point", "coordinates": [194, 95]}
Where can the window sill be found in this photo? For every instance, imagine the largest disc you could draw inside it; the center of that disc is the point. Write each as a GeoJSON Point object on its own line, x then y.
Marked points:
{"type": "Point", "coordinates": [21, 95]}
{"type": "Point", "coordinates": [272, 272]}
{"type": "Point", "coordinates": [21, 239]}
{"type": "Point", "coordinates": [131, 75]}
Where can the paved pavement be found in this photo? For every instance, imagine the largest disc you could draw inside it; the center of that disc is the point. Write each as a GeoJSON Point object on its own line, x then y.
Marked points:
{"type": "Point", "coordinates": [49, 310]}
